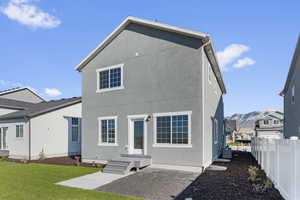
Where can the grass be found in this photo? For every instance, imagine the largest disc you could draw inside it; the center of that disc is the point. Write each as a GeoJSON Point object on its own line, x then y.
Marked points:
{"type": "Point", "coordinates": [37, 181]}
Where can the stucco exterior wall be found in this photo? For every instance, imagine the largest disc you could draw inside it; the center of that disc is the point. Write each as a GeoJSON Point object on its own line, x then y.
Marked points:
{"type": "Point", "coordinates": [50, 133]}
{"type": "Point", "coordinates": [291, 111]}
{"type": "Point", "coordinates": [213, 109]}
{"type": "Point", "coordinates": [23, 95]}
{"type": "Point", "coordinates": [162, 73]}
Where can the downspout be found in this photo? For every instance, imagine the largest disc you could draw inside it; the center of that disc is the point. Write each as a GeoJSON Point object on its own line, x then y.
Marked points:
{"type": "Point", "coordinates": [205, 41]}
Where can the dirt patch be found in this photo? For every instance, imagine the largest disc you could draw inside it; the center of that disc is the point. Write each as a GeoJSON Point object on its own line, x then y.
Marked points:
{"type": "Point", "coordinates": [67, 161]}
{"type": "Point", "coordinates": [230, 184]}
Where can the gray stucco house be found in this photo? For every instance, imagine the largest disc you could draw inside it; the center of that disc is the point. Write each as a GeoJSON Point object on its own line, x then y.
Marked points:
{"type": "Point", "coordinates": [155, 91]}
{"type": "Point", "coordinates": [291, 97]}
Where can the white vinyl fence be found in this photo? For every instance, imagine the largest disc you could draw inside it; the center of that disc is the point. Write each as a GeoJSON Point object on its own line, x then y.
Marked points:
{"type": "Point", "coordinates": [280, 159]}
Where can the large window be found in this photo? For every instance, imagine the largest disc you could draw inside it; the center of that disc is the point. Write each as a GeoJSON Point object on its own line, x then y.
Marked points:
{"type": "Point", "coordinates": [75, 129]}
{"type": "Point", "coordinates": [110, 78]}
{"type": "Point", "coordinates": [172, 129]}
{"type": "Point", "coordinates": [107, 130]}
{"type": "Point", "coordinates": [19, 131]}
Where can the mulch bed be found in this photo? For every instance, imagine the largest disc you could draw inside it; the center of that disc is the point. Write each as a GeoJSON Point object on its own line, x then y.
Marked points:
{"type": "Point", "coordinates": [67, 161]}
{"type": "Point", "coordinates": [232, 184]}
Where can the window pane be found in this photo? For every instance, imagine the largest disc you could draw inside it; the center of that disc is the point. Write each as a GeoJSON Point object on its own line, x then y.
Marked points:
{"type": "Point", "coordinates": [115, 77]}
{"type": "Point", "coordinates": [21, 131]}
{"type": "Point", "coordinates": [180, 129]}
{"type": "Point", "coordinates": [75, 133]}
{"type": "Point", "coordinates": [103, 75]}
{"type": "Point", "coordinates": [111, 131]}
{"type": "Point", "coordinates": [75, 121]}
{"type": "Point", "coordinates": [163, 130]}
{"type": "Point", "coordinates": [17, 131]}
{"type": "Point", "coordinates": [104, 130]}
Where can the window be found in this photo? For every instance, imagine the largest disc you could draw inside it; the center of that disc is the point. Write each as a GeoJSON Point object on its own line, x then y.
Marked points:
{"type": "Point", "coordinates": [266, 122]}
{"type": "Point", "coordinates": [75, 129]}
{"type": "Point", "coordinates": [19, 131]}
{"type": "Point", "coordinates": [293, 95]}
{"type": "Point", "coordinates": [216, 131]}
{"type": "Point", "coordinates": [107, 131]}
{"type": "Point", "coordinates": [110, 78]}
{"type": "Point", "coordinates": [172, 129]}
{"type": "Point", "coordinates": [276, 121]}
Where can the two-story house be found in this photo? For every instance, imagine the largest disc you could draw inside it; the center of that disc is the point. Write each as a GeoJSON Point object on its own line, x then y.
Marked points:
{"type": "Point", "coordinates": [270, 126]}
{"type": "Point", "coordinates": [155, 91]}
{"type": "Point", "coordinates": [291, 97]}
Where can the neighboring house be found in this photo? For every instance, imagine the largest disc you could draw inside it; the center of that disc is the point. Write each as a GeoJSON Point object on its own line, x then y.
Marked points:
{"type": "Point", "coordinates": [230, 130]}
{"type": "Point", "coordinates": [270, 126]}
{"type": "Point", "coordinates": [16, 99]}
{"type": "Point", "coordinates": [291, 96]}
{"type": "Point", "coordinates": [155, 91]}
{"type": "Point", "coordinates": [46, 129]}
{"type": "Point", "coordinates": [24, 94]}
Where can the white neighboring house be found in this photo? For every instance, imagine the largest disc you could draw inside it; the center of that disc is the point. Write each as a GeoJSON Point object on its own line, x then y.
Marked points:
{"type": "Point", "coordinates": [45, 129]}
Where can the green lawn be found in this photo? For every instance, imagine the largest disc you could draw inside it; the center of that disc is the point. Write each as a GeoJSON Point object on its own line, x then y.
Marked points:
{"type": "Point", "coordinates": [36, 181]}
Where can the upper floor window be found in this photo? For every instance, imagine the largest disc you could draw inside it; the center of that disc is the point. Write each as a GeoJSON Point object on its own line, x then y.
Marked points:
{"type": "Point", "coordinates": [75, 129]}
{"type": "Point", "coordinates": [276, 121]}
{"type": "Point", "coordinates": [293, 95]}
{"type": "Point", "coordinates": [266, 122]}
{"type": "Point", "coordinates": [110, 78]}
{"type": "Point", "coordinates": [19, 131]}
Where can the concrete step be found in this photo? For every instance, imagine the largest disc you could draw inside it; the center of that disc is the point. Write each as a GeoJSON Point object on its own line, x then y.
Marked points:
{"type": "Point", "coordinates": [135, 156]}
{"type": "Point", "coordinates": [116, 167]}
{"type": "Point", "coordinates": [112, 171]}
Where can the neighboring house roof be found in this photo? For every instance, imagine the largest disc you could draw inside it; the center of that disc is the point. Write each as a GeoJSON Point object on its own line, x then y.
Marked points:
{"type": "Point", "coordinates": [203, 36]}
{"type": "Point", "coordinates": [4, 92]}
{"type": "Point", "coordinates": [41, 108]}
{"type": "Point", "coordinates": [14, 104]}
{"type": "Point", "coordinates": [292, 68]}
{"type": "Point", "coordinates": [230, 125]}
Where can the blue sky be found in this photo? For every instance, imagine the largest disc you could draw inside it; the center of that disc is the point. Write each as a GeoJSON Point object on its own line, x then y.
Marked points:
{"type": "Point", "coordinates": [43, 40]}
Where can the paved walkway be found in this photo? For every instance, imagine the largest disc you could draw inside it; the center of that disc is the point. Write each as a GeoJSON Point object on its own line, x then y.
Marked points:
{"type": "Point", "coordinates": [91, 181]}
{"type": "Point", "coordinates": [152, 184]}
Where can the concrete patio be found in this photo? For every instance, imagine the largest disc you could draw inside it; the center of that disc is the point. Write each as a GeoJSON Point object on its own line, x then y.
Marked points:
{"type": "Point", "coordinates": [152, 184]}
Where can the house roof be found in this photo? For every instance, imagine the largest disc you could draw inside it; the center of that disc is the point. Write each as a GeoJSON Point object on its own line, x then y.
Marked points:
{"type": "Point", "coordinates": [4, 92]}
{"type": "Point", "coordinates": [41, 108]}
{"type": "Point", "coordinates": [203, 36]}
{"type": "Point", "coordinates": [14, 104]}
{"type": "Point", "coordinates": [292, 68]}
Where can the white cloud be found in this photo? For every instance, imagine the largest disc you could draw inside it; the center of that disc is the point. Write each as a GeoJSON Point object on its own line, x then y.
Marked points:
{"type": "Point", "coordinates": [25, 13]}
{"type": "Point", "coordinates": [230, 54]}
{"type": "Point", "coordinates": [53, 92]}
{"type": "Point", "coordinates": [10, 84]}
{"type": "Point", "coordinates": [244, 62]}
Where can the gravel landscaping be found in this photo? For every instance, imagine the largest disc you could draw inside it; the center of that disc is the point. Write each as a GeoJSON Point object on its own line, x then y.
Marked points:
{"type": "Point", "coordinates": [230, 184]}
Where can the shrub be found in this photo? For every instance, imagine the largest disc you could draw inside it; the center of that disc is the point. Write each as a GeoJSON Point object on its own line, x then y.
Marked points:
{"type": "Point", "coordinates": [260, 182]}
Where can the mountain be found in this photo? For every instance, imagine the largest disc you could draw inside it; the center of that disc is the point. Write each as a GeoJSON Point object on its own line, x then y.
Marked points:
{"type": "Point", "coordinates": [247, 121]}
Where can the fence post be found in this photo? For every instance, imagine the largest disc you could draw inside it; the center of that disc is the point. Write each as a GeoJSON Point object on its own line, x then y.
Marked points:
{"type": "Point", "coordinates": [293, 166]}
{"type": "Point", "coordinates": [277, 163]}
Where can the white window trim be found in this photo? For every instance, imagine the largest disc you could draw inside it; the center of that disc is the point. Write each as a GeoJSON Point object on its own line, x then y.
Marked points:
{"type": "Point", "coordinates": [100, 143]}
{"type": "Point", "coordinates": [216, 131]}
{"type": "Point", "coordinates": [98, 90]}
{"type": "Point", "coordinates": [189, 145]}
{"type": "Point", "coordinates": [75, 125]}
{"type": "Point", "coordinates": [130, 132]}
{"type": "Point", "coordinates": [20, 138]}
